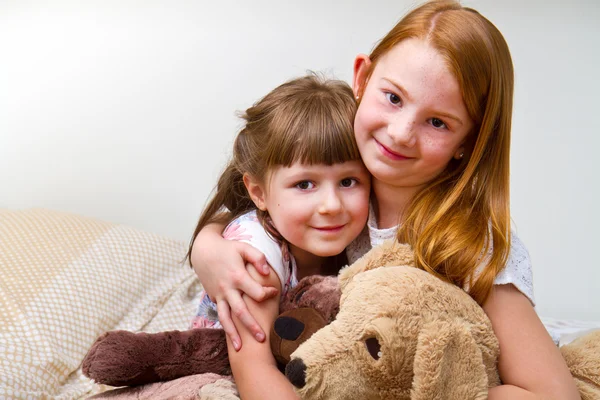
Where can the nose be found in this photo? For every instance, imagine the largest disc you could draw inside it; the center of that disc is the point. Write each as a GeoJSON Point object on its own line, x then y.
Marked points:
{"type": "Point", "coordinates": [402, 129]}
{"type": "Point", "coordinates": [296, 372]}
{"type": "Point", "coordinates": [330, 202]}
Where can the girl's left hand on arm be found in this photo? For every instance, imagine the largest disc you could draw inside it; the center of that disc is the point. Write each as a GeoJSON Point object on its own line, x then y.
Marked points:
{"type": "Point", "coordinates": [220, 266]}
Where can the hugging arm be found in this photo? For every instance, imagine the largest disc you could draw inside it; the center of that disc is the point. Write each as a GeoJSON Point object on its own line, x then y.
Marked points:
{"type": "Point", "coordinates": [253, 366]}
{"type": "Point", "coordinates": [219, 264]}
{"type": "Point", "coordinates": [530, 365]}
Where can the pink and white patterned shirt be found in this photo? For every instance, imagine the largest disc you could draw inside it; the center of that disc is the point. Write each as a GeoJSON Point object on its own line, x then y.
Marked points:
{"type": "Point", "coordinates": [248, 229]}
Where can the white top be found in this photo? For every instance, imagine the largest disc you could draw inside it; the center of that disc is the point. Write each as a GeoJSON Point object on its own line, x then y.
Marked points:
{"type": "Point", "coordinates": [517, 270]}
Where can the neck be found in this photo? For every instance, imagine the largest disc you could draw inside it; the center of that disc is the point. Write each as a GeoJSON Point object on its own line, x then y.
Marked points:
{"type": "Point", "coordinates": [390, 203]}
{"type": "Point", "coordinates": [307, 263]}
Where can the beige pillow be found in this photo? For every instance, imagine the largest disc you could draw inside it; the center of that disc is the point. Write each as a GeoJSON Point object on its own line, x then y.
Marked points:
{"type": "Point", "coordinates": [64, 280]}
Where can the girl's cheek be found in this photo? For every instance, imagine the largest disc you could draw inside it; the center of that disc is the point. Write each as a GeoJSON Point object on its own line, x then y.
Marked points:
{"type": "Point", "coordinates": [436, 143]}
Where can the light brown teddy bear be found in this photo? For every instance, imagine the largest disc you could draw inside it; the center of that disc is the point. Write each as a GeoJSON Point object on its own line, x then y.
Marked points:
{"type": "Point", "coordinates": [402, 333]}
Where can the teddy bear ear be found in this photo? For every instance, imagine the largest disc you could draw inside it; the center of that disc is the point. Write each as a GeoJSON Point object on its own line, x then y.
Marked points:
{"type": "Point", "coordinates": [291, 329]}
{"type": "Point", "coordinates": [448, 364]}
{"type": "Point", "coordinates": [388, 254]}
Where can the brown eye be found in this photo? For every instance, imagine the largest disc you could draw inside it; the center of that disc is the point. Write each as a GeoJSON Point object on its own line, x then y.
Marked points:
{"type": "Point", "coordinates": [393, 98]}
{"type": "Point", "coordinates": [348, 182]}
{"type": "Point", "coordinates": [438, 123]}
{"type": "Point", "coordinates": [305, 185]}
{"type": "Point", "coordinates": [373, 347]}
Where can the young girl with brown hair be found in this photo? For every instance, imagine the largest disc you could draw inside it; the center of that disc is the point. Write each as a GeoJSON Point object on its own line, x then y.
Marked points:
{"type": "Point", "coordinates": [433, 128]}
{"type": "Point", "coordinates": [298, 192]}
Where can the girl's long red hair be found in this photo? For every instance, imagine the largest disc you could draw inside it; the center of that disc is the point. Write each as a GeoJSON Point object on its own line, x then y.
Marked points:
{"type": "Point", "coordinates": [459, 225]}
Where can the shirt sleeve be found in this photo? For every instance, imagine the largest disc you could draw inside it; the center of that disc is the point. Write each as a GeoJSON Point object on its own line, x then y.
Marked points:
{"type": "Point", "coordinates": [518, 269]}
{"type": "Point", "coordinates": [248, 229]}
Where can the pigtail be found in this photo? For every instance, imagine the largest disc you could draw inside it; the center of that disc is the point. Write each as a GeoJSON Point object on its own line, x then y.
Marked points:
{"type": "Point", "coordinates": [235, 196]}
{"type": "Point", "coordinates": [230, 200]}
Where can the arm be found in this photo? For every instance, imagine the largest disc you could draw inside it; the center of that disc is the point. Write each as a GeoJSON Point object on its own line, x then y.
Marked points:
{"type": "Point", "coordinates": [254, 367]}
{"type": "Point", "coordinates": [530, 364]}
{"type": "Point", "coordinates": [219, 264]}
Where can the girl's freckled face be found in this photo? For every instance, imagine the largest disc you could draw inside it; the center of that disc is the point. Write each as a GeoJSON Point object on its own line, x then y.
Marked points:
{"type": "Point", "coordinates": [412, 119]}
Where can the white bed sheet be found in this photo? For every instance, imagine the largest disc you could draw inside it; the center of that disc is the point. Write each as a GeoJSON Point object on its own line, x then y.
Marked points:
{"type": "Point", "coordinates": [564, 331]}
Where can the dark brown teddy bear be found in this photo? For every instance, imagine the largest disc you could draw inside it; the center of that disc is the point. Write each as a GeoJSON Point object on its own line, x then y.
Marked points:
{"type": "Point", "coordinates": [123, 358]}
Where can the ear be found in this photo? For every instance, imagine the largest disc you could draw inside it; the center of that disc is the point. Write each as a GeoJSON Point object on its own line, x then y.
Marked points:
{"type": "Point", "coordinates": [448, 364]}
{"type": "Point", "coordinates": [466, 147]}
{"type": "Point", "coordinates": [460, 153]}
{"type": "Point", "coordinates": [256, 191]}
{"type": "Point", "coordinates": [362, 66]}
{"type": "Point", "coordinates": [291, 329]}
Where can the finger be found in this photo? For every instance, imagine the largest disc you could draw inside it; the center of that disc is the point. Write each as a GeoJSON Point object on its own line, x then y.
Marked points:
{"type": "Point", "coordinates": [255, 257]}
{"type": "Point", "coordinates": [270, 292]}
{"type": "Point", "coordinates": [255, 290]}
{"type": "Point", "coordinates": [240, 311]}
{"type": "Point", "coordinates": [228, 325]}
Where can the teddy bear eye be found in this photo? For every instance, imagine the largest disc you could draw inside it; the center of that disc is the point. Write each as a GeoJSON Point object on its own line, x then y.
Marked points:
{"type": "Point", "coordinates": [374, 348]}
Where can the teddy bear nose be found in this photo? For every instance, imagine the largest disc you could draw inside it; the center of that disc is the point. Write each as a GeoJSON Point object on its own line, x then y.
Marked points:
{"type": "Point", "coordinates": [296, 372]}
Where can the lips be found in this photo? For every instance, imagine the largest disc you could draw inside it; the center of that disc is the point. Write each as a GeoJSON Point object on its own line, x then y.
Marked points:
{"type": "Point", "coordinates": [389, 153]}
{"type": "Point", "coordinates": [331, 229]}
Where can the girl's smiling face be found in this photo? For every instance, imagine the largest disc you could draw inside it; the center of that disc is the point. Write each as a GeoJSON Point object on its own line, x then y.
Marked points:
{"type": "Point", "coordinates": [318, 209]}
{"type": "Point", "coordinates": [412, 119]}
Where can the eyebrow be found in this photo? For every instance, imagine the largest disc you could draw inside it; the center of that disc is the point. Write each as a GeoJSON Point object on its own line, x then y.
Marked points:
{"type": "Point", "coordinates": [407, 96]}
{"type": "Point", "coordinates": [450, 116]}
{"type": "Point", "coordinates": [399, 87]}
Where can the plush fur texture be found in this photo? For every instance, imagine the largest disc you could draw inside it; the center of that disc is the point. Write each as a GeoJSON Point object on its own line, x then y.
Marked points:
{"type": "Point", "coordinates": [401, 333]}
{"type": "Point", "coordinates": [583, 358]}
{"type": "Point", "coordinates": [308, 307]}
{"type": "Point", "coordinates": [122, 358]}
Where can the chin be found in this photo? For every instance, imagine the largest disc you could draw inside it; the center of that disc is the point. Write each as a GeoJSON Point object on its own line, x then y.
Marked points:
{"type": "Point", "coordinates": [329, 252]}
{"type": "Point", "coordinates": [380, 170]}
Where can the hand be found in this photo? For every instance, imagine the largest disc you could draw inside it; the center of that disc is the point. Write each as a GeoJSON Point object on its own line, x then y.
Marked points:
{"type": "Point", "coordinates": [220, 266]}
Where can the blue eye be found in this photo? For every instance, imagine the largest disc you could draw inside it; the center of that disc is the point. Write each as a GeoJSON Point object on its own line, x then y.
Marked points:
{"type": "Point", "coordinates": [438, 123]}
{"type": "Point", "coordinates": [348, 182]}
{"type": "Point", "coordinates": [393, 98]}
{"type": "Point", "coordinates": [305, 185]}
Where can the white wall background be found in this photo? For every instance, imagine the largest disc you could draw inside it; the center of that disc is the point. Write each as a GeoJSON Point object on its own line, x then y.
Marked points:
{"type": "Point", "coordinates": [125, 110]}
